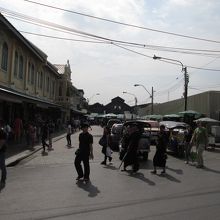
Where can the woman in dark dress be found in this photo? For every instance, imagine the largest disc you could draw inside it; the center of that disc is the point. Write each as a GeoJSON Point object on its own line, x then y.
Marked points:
{"type": "Point", "coordinates": [105, 142]}
{"type": "Point", "coordinates": [160, 155]}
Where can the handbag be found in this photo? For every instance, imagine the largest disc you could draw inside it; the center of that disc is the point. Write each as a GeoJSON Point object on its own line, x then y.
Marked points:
{"type": "Point", "coordinates": [108, 152]}
{"type": "Point", "coordinates": [102, 141]}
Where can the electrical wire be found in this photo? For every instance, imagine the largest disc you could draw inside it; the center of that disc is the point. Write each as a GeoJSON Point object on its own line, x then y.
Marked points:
{"type": "Point", "coordinates": [125, 24]}
{"type": "Point", "coordinates": [113, 42]}
{"type": "Point", "coordinates": [57, 27]}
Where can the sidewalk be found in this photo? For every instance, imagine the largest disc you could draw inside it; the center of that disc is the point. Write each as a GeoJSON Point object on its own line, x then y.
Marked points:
{"type": "Point", "coordinates": [17, 152]}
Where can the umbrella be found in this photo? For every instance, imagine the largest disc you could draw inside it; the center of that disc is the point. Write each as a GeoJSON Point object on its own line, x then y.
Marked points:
{"type": "Point", "coordinates": [208, 120]}
{"type": "Point", "coordinates": [191, 113]}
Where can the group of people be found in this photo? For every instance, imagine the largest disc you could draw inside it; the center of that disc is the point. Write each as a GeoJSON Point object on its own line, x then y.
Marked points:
{"type": "Point", "coordinates": [130, 142]}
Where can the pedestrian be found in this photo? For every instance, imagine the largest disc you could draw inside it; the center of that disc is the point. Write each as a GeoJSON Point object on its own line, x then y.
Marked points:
{"type": "Point", "coordinates": [105, 142]}
{"type": "Point", "coordinates": [186, 141]}
{"type": "Point", "coordinates": [84, 153]}
{"type": "Point", "coordinates": [160, 156]}
{"type": "Point", "coordinates": [68, 134]}
{"type": "Point", "coordinates": [32, 134]}
{"type": "Point", "coordinates": [3, 138]}
{"type": "Point", "coordinates": [18, 127]}
{"type": "Point", "coordinates": [44, 133]}
{"type": "Point", "coordinates": [131, 155]}
{"type": "Point", "coordinates": [200, 137]}
{"type": "Point", "coordinates": [50, 134]}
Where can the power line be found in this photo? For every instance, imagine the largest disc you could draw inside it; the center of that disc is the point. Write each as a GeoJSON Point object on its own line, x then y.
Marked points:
{"type": "Point", "coordinates": [113, 42]}
{"type": "Point", "coordinates": [125, 24]}
{"type": "Point", "coordinates": [63, 38]}
{"type": "Point", "coordinates": [57, 27]}
{"type": "Point", "coordinates": [107, 42]}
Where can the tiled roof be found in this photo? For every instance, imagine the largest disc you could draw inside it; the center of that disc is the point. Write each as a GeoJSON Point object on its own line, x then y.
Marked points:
{"type": "Point", "coordinates": [61, 68]}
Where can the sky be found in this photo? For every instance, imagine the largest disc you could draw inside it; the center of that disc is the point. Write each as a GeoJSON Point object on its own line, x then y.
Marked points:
{"type": "Point", "coordinates": [109, 69]}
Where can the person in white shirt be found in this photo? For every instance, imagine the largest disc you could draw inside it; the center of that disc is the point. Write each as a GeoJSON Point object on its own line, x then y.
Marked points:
{"type": "Point", "coordinates": [68, 135]}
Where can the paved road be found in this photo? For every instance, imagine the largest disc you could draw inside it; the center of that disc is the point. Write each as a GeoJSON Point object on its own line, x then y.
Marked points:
{"type": "Point", "coordinates": [44, 187]}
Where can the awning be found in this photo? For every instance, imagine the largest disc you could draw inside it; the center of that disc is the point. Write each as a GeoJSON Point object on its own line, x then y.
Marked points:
{"type": "Point", "coordinates": [12, 96]}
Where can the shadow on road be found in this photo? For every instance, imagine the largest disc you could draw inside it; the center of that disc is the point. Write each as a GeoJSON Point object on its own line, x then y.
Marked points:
{"type": "Point", "coordinates": [141, 176]}
{"type": "Point", "coordinates": [177, 171]}
{"type": "Point", "coordinates": [89, 187]}
{"type": "Point", "coordinates": [110, 167]}
{"type": "Point", "coordinates": [211, 170]}
{"type": "Point", "coordinates": [169, 177]}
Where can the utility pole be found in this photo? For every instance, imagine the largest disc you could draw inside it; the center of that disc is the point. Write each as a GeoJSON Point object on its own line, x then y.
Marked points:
{"type": "Point", "coordinates": [186, 79]}
{"type": "Point", "coordinates": [152, 101]}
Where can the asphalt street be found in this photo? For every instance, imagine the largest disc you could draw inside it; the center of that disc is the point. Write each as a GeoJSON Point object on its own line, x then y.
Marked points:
{"type": "Point", "coordinates": [44, 187]}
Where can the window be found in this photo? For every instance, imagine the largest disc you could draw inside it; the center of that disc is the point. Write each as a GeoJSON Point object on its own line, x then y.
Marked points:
{"type": "Point", "coordinates": [48, 84]}
{"type": "Point", "coordinates": [32, 74]}
{"type": "Point", "coordinates": [60, 90]}
{"type": "Point", "coordinates": [21, 67]}
{"type": "Point", "coordinates": [16, 64]}
{"type": "Point", "coordinates": [4, 64]}
{"type": "Point", "coordinates": [41, 79]}
{"type": "Point", "coordinates": [53, 87]}
{"type": "Point", "coordinates": [29, 72]}
{"type": "Point", "coordinates": [68, 92]}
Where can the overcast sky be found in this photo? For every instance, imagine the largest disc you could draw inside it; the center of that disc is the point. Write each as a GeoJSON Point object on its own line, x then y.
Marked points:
{"type": "Point", "coordinates": [110, 70]}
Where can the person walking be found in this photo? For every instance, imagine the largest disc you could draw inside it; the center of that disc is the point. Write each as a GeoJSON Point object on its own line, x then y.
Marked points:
{"type": "Point", "coordinates": [3, 138]}
{"type": "Point", "coordinates": [84, 153]}
{"type": "Point", "coordinates": [44, 133]}
{"type": "Point", "coordinates": [187, 138]}
{"type": "Point", "coordinates": [131, 156]}
{"type": "Point", "coordinates": [160, 156]}
{"type": "Point", "coordinates": [200, 137]}
{"type": "Point", "coordinates": [50, 134]}
{"type": "Point", "coordinates": [68, 134]}
{"type": "Point", "coordinates": [105, 142]}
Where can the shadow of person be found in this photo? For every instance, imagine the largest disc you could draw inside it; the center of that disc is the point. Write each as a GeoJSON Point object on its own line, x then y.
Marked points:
{"type": "Point", "coordinates": [2, 186]}
{"type": "Point", "coordinates": [43, 153]}
{"type": "Point", "coordinates": [89, 187]}
{"type": "Point", "coordinates": [110, 167]}
{"type": "Point", "coordinates": [211, 170]}
{"type": "Point", "coordinates": [169, 177]}
{"type": "Point", "coordinates": [141, 176]}
{"type": "Point", "coordinates": [177, 171]}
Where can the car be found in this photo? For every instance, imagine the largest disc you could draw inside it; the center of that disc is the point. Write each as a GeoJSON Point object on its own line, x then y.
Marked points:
{"type": "Point", "coordinates": [113, 121]}
{"type": "Point", "coordinates": [116, 136]}
{"type": "Point", "coordinates": [154, 130]}
{"type": "Point", "coordinates": [176, 132]}
{"type": "Point", "coordinates": [144, 142]}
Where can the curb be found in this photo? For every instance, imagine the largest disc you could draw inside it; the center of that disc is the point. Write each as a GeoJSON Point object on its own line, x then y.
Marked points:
{"type": "Point", "coordinates": [14, 160]}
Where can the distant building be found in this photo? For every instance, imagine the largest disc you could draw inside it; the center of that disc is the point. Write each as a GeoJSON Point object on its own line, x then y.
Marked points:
{"type": "Point", "coordinates": [207, 103]}
{"type": "Point", "coordinates": [116, 106]}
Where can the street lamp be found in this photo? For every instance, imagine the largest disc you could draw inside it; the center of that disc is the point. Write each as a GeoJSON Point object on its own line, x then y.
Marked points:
{"type": "Point", "coordinates": [89, 99]}
{"type": "Point", "coordinates": [151, 96]}
{"type": "Point", "coordinates": [186, 77]}
{"type": "Point", "coordinates": [135, 98]}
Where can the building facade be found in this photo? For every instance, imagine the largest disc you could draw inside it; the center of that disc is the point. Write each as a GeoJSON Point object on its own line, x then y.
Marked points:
{"type": "Point", "coordinates": [30, 86]}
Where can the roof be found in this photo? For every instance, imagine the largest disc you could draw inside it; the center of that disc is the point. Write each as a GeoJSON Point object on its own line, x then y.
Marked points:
{"type": "Point", "coordinates": [60, 68]}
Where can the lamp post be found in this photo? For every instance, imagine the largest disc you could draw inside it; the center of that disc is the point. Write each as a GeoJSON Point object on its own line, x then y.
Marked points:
{"type": "Point", "coordinates": [89, 99]}
{"type": "Point", "coordinates": [151, 96]}
{"type": "Point", "coordinates": [186, 77]}
{"type": "Point", "coordinates": [135, 100]}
